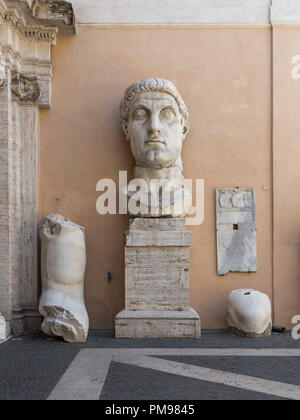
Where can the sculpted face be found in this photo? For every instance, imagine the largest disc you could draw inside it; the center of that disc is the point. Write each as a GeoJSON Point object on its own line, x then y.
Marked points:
{"type": "Point", "coordinates": [155, 129]}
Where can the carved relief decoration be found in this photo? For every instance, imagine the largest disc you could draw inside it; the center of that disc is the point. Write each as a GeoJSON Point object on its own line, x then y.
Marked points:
{"type": "Point", "coordinates": [235, 199]}
{"type": "Point", "coordinates": [60, 10]}
{"type": "Point", "coordinates": [25, 89]}
{"type": "Point", "coordinates": [42, 21]}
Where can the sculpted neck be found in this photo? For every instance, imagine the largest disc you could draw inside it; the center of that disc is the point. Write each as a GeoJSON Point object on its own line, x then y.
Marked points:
{"type": "Point", "coordinates": [173, 174]}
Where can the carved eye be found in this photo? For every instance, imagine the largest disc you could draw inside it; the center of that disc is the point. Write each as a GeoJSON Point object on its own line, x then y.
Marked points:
{"type": "Point", "coordinates": [168, 114]}
{"type": "Point", "coordinates": [140, 114]}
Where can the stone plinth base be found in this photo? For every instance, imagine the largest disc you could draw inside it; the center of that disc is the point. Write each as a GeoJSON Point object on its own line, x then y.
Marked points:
{"type": "Point", "coordinates": [158, 324]}
{"type": "Point", "coordinates": [157, 281]}
{"type": "Point", "coordinates": [26, 321]}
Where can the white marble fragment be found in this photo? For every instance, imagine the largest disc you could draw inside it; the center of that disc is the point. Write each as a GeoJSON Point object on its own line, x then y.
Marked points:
{"type": "Point", "coordinates": [63, 269]}
{"type": "Point", "coordinates": [249, 313]}
{"type": "Point", "coordinates": [5, 330]}
{"type": "Point", "coordinates": [155, 121]}
{"type": "Point", "coordinates": [2, 328]}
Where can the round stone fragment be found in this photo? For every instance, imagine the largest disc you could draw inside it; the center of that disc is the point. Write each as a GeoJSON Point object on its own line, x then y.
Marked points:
{"type": "Point", "coordinates": [249, 313]}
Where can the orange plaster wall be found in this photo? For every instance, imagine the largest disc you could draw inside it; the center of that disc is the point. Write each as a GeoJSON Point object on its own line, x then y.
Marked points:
{"type": "Point", "coordinates": [225, 77]}
{"type": "Point", "coordinates": [286, 176]}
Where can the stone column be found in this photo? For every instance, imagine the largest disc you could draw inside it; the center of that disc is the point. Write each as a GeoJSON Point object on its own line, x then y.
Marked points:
{"type": "Point", "coordinates": [28, 30]}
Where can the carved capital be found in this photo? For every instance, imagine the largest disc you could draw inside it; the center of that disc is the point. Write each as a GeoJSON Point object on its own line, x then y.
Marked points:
{"type": "Point", "coordinates": [25, 89]}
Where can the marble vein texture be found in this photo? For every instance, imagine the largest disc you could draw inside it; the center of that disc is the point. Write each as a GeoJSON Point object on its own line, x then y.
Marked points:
{"type": "Point", "coordinates": [63, 269]}
{"type": "Point", "coordinates": [28, 31]}
{"type": "Point", "coordinates": [155, 121]}
{"type": "Point", "coordinates": [249, 313]}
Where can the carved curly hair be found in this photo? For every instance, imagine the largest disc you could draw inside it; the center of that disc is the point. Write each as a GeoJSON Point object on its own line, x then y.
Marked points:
{"type": "Point", "coordinates": [152, 85]}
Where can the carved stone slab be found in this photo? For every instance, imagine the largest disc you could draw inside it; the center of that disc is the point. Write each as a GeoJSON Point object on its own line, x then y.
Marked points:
{"type": "Point", "coordinates": [157, 265]}
{"type": "Point", "coordinates": [236, 230]}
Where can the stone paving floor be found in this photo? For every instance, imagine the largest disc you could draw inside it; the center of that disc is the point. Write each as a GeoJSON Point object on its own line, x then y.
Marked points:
{"type": "Point", "coordinates": [216, 367]}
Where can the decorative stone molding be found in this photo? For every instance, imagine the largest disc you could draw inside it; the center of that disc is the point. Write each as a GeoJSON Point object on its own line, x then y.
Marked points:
{"type": "Point", "coordinates": [29, 28]}
{"type": "Point", "coordinates": [25, 89]}
{"type": "Point", "coordinates": [32, 27]}
{"type": "Point", "coordinates": [38, 19]}
{"type": "Point", "coordinates": [15, 19]}
{"type": "Point", "coordinates": [58, 10]}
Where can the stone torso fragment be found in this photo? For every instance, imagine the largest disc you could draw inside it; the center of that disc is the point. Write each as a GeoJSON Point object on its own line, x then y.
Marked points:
{"type": "Point", "coordinates": [63, 269]}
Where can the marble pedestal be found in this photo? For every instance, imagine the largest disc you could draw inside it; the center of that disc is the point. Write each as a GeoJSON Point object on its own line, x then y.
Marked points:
{"type": "Point", "coordinates": [157, 292]}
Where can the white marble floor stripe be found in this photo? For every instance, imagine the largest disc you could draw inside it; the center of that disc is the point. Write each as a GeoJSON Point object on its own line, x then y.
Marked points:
{"type": "Point", "coordinates": [248, 383]}
{"type": "Point", "coordinates": [85, 378]}
{"type": "Point", "coordinates": [204, 352]}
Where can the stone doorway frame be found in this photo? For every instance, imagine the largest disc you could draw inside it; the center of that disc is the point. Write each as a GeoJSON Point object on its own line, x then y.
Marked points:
{"type": "Point", "coordinates": [28, 31]}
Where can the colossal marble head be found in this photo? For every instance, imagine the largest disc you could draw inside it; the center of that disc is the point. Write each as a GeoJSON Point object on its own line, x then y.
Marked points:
{"type": "Point", "coordinates": [155, 120]}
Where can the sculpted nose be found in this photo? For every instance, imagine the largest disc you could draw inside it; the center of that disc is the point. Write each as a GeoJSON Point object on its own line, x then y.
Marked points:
{"type": "Point", "coordinates": [154, 124]}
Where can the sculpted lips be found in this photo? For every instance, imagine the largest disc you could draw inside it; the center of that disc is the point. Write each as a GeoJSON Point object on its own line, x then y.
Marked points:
{"type": "Point", "coordinates": [155, 140]}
